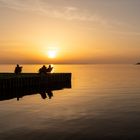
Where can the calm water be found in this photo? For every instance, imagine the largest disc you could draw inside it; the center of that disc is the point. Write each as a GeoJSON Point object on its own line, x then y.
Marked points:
{"type": "Point", "coordinates": [103, 103]}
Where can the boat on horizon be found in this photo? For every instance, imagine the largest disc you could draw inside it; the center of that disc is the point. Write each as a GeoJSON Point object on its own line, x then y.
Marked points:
{"type": "Point", "coordinates": [138, 63]}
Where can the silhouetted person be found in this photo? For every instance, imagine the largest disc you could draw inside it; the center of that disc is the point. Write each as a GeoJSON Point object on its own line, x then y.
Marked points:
{"type": "Point", "coordinates": [18, 69]}
{"type": "Point", "coordinates": [43, 69]}
{"type": "Point", "coordinates": [49, 69]}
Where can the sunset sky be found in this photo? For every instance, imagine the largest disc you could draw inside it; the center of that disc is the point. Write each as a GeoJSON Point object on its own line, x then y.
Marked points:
{"type": "Point", "coordinates": [69, 31]}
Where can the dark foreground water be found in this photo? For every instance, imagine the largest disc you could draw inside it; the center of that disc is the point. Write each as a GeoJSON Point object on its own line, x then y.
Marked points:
{"type": "Point", "coordinates": [103, 104]}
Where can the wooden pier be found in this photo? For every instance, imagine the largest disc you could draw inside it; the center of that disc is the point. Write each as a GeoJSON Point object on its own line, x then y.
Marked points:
{"type": "Point", "coordinates": [32, 85]}
{"type": "Point", "coordinates": [23, 80]}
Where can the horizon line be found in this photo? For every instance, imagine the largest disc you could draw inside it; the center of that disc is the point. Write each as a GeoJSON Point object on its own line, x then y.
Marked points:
{"type": "Point", "coordinates": [63, 63]}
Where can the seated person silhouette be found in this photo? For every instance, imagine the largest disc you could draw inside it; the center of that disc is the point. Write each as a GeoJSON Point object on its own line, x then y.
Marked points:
{"type": "Point", "coordinates": [44, 69]}
{"type": "Point", "coordinates": [49, 69]}
{"type": "Point", "coordinates": [18, 69]}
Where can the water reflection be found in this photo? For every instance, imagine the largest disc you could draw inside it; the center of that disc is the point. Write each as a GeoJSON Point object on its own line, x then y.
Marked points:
{"type": "Point", "coordinates": [44, 91]}
{"type": "Point", "coordinates": [48, 92]}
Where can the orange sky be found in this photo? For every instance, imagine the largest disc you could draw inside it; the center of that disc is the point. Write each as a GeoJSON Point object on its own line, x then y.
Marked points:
{"type": "Point", "coordinates": [81, 32]}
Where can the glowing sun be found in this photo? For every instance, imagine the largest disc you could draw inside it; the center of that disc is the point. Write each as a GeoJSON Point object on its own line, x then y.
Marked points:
{"type": "Point", "coordinates": [52, 54]}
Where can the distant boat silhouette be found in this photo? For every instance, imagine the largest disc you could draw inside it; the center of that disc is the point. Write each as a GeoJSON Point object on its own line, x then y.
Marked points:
{"type": "Point", "coordinates": [138, 63]}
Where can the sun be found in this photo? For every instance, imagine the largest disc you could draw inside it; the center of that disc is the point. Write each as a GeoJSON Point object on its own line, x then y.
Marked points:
{"type": "Point", "coordinates": [52, 54]}
{"type": "Point", "coordinates": [52, 51]}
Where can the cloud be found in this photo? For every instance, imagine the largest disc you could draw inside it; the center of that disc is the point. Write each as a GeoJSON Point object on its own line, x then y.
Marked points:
{"type": "Point", "coordinates": [62, 12]}
{"type": "Point", "coordinates": [69, 12]}
{"type": "Point", "coordinates": [126, 33]}
{"type": "Point", "coordinates": [20, 4]}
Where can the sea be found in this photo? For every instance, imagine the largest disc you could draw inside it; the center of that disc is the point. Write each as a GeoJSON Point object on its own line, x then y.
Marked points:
{"type": "Point", "coordinates": [103, 103]}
